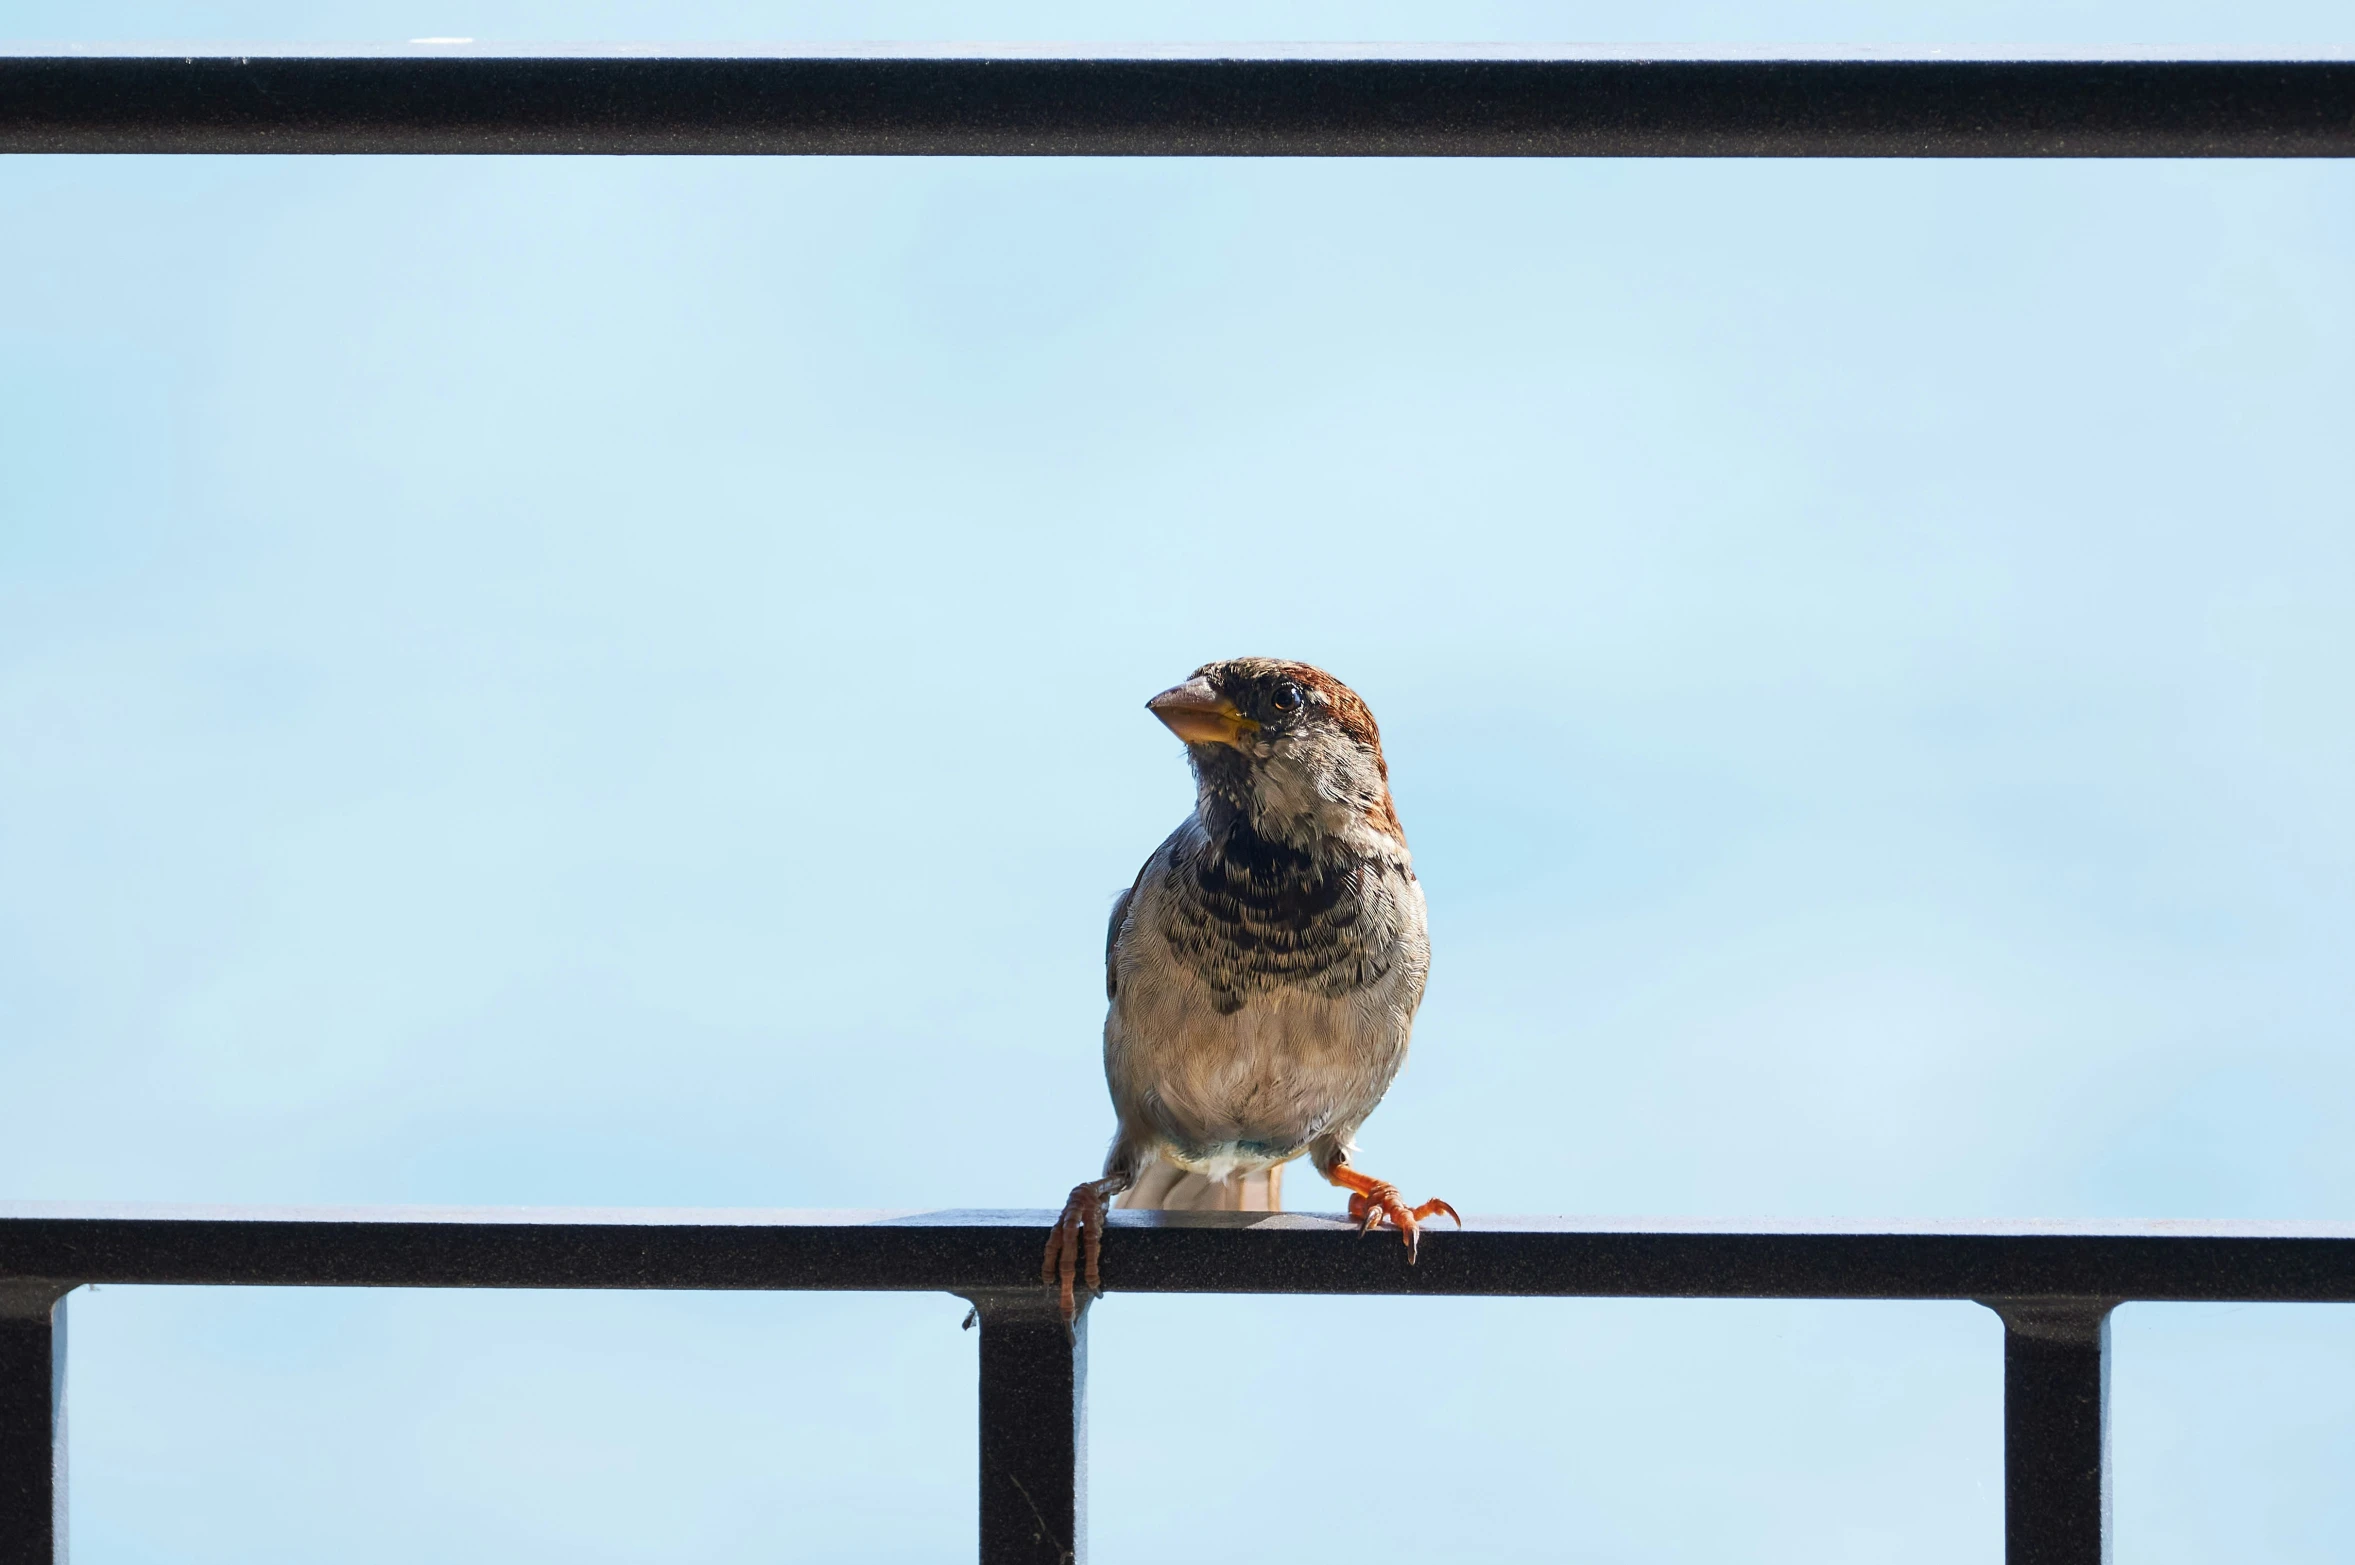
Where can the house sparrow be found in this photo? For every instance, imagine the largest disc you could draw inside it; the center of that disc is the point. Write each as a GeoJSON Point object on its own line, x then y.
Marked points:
{"type": "Point", "coordinates": [1263, 970]}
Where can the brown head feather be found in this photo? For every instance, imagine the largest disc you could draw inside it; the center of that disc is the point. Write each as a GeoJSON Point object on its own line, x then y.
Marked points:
{"type": "Point", "coordinates": [1354, 718]}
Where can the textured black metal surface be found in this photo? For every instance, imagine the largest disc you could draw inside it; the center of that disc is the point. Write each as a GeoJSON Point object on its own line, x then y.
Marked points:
{"type": "Point", "coordinates": [1491, 103]}
{"type": "Point", "coordinates": [1166, 1252]}
{"type": "Point", "coordinates": [1034, 1431]}
{"type": "Point", "coordinates": [2056, 1393]}
{"type": "Point", "coordinates": [32, 1426]}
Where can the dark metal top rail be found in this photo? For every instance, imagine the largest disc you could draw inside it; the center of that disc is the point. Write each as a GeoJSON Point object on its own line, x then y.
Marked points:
{"type": "Point", "coordinates": [1253, 100]}
{"type": "Point", "coordinates": [972, 1252]}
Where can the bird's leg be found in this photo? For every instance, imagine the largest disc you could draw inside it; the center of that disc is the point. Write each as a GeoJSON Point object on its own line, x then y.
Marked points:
{"type": "Point", "coordinates": [1077, 1239]}
{"type": "Point", "coordinates": [1372, 1200]}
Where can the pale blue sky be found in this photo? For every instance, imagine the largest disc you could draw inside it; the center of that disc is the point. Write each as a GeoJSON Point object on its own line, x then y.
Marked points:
{"type": "Point", "coordinates": [620, 681]}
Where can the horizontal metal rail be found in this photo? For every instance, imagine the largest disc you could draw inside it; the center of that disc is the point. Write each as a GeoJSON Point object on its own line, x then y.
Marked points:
{"type": "Point", "coordinates": [1163, 1252]}
{"type": "Point", "coordinates": [1222, 102]}
{"type": "Point", "coordinates": [2054, 1286]}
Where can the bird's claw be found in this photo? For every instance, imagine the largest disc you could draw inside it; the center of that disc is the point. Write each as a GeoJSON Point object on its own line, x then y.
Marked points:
{"type": "Point", "coordinates": [1380, 1201]}
{"type": "Point", "coordinates": [1076, 1244]}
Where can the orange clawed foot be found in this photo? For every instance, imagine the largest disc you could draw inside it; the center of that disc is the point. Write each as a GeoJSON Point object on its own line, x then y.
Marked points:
{"type": "Point", "coordinates": [1374, 1201]}
{"type": "Point", "coordinates": [1076, 1242]}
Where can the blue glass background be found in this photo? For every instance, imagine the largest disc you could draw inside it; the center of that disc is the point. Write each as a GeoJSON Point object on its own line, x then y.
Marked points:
{"type": "Point", "coordinates": [620, 682]}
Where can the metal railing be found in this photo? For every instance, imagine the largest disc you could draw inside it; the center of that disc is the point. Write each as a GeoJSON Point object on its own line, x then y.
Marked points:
{"type": "Point", "coordinates": [2053, 1284]}
{"type": "Point", "coordinates": [1238, 101]}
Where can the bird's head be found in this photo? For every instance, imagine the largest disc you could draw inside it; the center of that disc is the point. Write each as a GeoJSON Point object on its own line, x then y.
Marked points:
{"type": "Point", "coordinates": [1287, 746]}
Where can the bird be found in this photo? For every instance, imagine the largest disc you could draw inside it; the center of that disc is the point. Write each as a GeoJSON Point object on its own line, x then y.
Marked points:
{"type": "Point", "coordinates": [1262, 972]}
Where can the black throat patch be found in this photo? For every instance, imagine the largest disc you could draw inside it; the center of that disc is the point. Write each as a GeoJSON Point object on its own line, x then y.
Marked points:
{"type": "Point", "coordinates": [1249, 914]}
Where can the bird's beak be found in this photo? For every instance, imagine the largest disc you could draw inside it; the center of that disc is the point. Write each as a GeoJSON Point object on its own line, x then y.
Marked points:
{"type": "Point", "coordinates": [1199, 715]}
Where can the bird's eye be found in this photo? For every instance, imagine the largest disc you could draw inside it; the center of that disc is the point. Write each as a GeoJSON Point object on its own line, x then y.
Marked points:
{"type": "Point", "coordinates": [1285, 697]}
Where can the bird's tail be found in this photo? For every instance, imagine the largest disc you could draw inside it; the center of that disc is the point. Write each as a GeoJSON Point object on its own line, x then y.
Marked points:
{"type": "Point", "coordinates": [1163, 1185]}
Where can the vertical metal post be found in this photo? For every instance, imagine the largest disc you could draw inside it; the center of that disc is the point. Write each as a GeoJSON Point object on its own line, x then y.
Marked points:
{"type": "Point", "coordinates": [32, 1422]}
{"type": "Point", "coordinates": [1034, 1431]}
{"type": "Point", "coordinates": [2056, 1443]}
